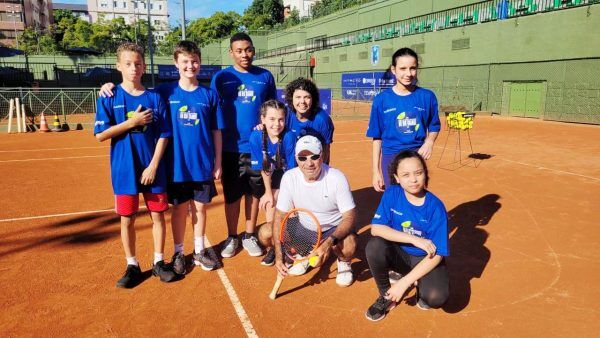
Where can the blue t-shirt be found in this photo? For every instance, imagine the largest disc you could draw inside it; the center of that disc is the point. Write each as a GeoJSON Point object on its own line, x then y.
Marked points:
{"type": "Point", "coordinates": [288, 160]}
{"type": "Point", "coordinates": [132, 151]}
{"type": "Point", "coordinates": [241, 96]}
{"type": "Point", "coordinates": [402, 122]}
{"type": "Point", "coordinates": [426, 221]}
{"type": "Point", "coordinates": [194, 116]}
{"type": "Point", "coordinates": [318, 125]}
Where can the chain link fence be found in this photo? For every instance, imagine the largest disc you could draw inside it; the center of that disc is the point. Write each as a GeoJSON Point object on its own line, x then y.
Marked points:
{"type": "Point", "coordinates": [75, 107]}
{"type": "Point", "coordinates": [563, 90]}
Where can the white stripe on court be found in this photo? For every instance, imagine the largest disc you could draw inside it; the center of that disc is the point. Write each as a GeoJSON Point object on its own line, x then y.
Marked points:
{"type": "Point", "coordinates": [62, 215]}
{"type": "Point", "coordinates": [237, 305]}
{"type": "Point", "coordinates": [233, 297]}
{"type": "Point", "coordinates": [54, 158]}
{"type": "Point", "coordinates": [48, 149]}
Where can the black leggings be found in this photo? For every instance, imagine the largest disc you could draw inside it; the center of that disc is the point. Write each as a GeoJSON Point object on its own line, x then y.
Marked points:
{"type": "Point", "coordinates": [384, 255]}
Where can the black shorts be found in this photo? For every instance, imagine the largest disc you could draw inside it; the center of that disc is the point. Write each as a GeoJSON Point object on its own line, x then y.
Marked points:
{"type": "Point", "coordinates": [276, 179]}
{"type": "Point", "coordinates": [239, 178]}
{"type": "Point", "coordinates": [181, 192]}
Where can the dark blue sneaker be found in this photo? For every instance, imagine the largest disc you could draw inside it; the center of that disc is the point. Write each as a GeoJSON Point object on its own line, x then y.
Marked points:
{"type": "Point", "coordinates": [379, 309]}
{"type": "Point", "coordinates": [163, 271]}
{"type": "Point", "coordinates": [131, 278]}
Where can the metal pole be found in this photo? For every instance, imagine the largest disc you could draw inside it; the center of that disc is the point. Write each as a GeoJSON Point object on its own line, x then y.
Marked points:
{"type": "Point", "coordinates": [150, 49]}
{"type": "Point", "coordinates": [182, 19]}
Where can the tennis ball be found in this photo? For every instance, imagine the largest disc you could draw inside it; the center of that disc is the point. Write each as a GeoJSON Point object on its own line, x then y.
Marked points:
{"type": "Point", "coordinates": [401, 116]}
{"type": "Point", "coordinates": [313, 261]}
{"type": "Point", "coordinates": [184, 108]}
{"type": "Point", "coordinates": [405, 224]}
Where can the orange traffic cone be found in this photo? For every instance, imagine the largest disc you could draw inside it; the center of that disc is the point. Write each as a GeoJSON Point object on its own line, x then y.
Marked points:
{"type": "Point", "coordinates": [43, 124]}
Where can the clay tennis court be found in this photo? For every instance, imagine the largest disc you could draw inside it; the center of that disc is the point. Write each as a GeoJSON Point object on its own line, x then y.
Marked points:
{"type": "Point", "coordinates": [524, 246]}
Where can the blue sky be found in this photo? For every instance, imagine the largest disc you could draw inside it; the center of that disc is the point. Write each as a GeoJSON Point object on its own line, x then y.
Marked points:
{"type": "Point", "coordinates": [193, 8]}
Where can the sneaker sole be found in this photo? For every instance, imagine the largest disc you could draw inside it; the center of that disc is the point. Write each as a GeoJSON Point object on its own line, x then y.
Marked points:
{"type": "Point", "coordinates": [227, 255]}
{"type": "Point", "coordinates": [267, 264]}
{"type": "Point", "coordinates": [255, 254]}
{"type": "Point", "coordinates": [204, 267]}
{"type": "Point", "coordinates": [384, 315]}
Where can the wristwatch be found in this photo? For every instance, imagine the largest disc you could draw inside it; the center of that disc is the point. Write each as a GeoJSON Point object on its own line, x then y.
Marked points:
{"type": "Point", "coordinates": [334, 240]}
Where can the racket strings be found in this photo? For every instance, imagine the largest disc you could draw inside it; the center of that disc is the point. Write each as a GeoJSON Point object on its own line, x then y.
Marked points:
{"type": "Point", "coordinates": [296, 239]}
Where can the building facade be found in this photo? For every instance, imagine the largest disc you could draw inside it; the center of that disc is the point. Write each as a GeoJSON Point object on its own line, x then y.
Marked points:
{"type": "Point", "coordinates": [80, 11]}
{"type": "Point", "coordinates": [131, 11]}
{"type": "Point", "coordinates": [15, 15]}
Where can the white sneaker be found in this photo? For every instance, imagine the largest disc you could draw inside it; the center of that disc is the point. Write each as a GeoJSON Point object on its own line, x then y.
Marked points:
{"type": "Point", "coordinates": [299, 268]}
{"type": "Point", "coordinates": [229, 248]}
{"type": "Point", "coordinates": [251, 245]}
{"type": "Point", "coordinates": [345, 277]}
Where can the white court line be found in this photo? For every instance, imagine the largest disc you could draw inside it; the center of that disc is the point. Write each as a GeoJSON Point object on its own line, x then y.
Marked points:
{"type": "Point", "coordinates": [233, 297]}
{"type": "Point", "coordinates": [53, 158]}
{"type": "Point", "coordinates": [48, 149]}
{"type": "Point", "coordinates": [237, 305]}
{"type": "Point", "coordinates": [62, 215]}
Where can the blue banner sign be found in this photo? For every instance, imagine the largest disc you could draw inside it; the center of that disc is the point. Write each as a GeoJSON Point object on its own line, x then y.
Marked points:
{"type": "Point", "coordinates": [364, 86]}
{"type": "Point", "coordinates": [324, 97]}
{"type": "Point", "coordinates": [170, 72]}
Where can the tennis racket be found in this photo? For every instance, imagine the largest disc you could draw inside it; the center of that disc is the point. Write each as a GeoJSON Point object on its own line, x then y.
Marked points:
{"type": "Point", "coordinates": [299, 236]}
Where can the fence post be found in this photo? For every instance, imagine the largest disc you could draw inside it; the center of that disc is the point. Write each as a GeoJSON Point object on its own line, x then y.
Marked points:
{"type": "Point", "coordinates": [62, 105]}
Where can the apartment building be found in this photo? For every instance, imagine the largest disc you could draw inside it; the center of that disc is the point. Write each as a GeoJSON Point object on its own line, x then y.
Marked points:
{"type": "Point", "coordinates": [79, 11]}
{"type": "Point", "coordinates": [15, 15]}
{"type": "Point", "coordinates": [131, 11]}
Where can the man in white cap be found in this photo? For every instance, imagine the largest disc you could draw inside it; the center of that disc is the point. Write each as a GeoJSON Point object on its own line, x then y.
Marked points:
{"type": "Point", "coordinates": [324, 191]}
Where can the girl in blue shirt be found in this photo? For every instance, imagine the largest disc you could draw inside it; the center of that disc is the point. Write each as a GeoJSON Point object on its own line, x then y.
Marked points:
{"type": "Point", "coordinates": [410, 235]}
{"type": "Point", "coordinates": [402, 117]}
{"type": "Point", "coordinates": [306, 118]}
{"type": "Point", "coordinates": [272, 152]}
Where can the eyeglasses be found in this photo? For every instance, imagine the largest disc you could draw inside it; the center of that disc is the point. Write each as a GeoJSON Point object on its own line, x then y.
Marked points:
{"type": "Point", "coordinates": [312, 157]}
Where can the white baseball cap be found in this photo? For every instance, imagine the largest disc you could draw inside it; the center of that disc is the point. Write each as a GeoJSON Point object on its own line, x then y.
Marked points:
{"type": "Point", "coordinates": [309, 143]}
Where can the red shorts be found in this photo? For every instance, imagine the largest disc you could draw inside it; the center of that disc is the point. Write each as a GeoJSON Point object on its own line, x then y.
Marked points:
{"type": "Point", "coordinates": [127, 205]}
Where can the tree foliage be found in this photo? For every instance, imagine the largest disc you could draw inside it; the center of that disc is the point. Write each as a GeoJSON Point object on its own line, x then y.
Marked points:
{"type": "Point", "coordinates": [263, 15]}
{"type": "Point", "coordinates": [326, 7]}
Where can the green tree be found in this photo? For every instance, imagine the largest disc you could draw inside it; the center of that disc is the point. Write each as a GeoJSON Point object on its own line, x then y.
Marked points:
{"type": "Point", "coordinates": [263, 14]}
{"type": "Point", "coordinates": [166, 46]}
{"type": "Point", "coordinates": [220, 25]}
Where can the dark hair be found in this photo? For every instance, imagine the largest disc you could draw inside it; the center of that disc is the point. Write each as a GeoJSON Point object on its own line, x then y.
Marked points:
{"type": "Point", "coordinates": [393, 168]}
{"type": "Point", "coordinates": [187, 47]}
{"type": "Point", "coordinates": [404, 52]}
{"type": "Point", "coordinates": [266, 166]}
{"type": "Point", "coordinates": [241, 36]}
{"type": "Point", "coordinates": [306, 85]}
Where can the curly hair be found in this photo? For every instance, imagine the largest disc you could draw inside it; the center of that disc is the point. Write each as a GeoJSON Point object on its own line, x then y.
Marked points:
{"type": "Point", "coordinates": [306, 85]}
{"type": "Point", "coordinates": [410, 153]}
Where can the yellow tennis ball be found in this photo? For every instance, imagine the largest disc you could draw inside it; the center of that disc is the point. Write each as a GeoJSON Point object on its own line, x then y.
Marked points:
{"type": "Point", "coordinates": [313, 261]}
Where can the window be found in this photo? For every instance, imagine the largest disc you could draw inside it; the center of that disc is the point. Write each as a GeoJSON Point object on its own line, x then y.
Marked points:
{"type": "Point", "coordinates": [114, 4]}
{"type": "Point", "coordinates": [103, 5]}
{"type": "Point", "coordinates": [124, 4]}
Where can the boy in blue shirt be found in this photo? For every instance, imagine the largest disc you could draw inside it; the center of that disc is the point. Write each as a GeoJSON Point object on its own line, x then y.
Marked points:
{"type": "Point", "coordinates": [134, 119]}
{"type": "Point", "coordinates": [194, 154]}
{"type": "Point", "coordinates": [242, 89]}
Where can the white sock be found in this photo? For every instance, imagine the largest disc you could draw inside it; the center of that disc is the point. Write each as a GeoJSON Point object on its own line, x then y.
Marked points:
{"type": "Point", "coordinates": [132, 261]}
{"type": "Point", "coordinates": [158, 256]}
{"type": "Point", "coordinates": [198, 244]}
{"type": "Point", "coordinates": [178, 248]}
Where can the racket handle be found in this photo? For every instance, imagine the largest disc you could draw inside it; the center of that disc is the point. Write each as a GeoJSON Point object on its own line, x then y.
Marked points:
{"type": "Point", "coordinates": [273, 293]}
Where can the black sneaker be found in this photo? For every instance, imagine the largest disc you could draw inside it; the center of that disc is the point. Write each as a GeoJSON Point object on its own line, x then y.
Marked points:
{"type": "Point", "coordinates": [131, 278]}
{"type": "Point", "coordinates": [379, 309]}
{"type": "Point", "coordinates": [269, 258]}
{"type": "Point", "coordinates": [179, 263]}
{"type": "Point", "coordinates": [163, 271]}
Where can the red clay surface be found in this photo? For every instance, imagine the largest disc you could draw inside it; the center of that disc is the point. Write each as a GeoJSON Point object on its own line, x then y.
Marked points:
{"type": "Point", "coordinates": [524, 246]}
